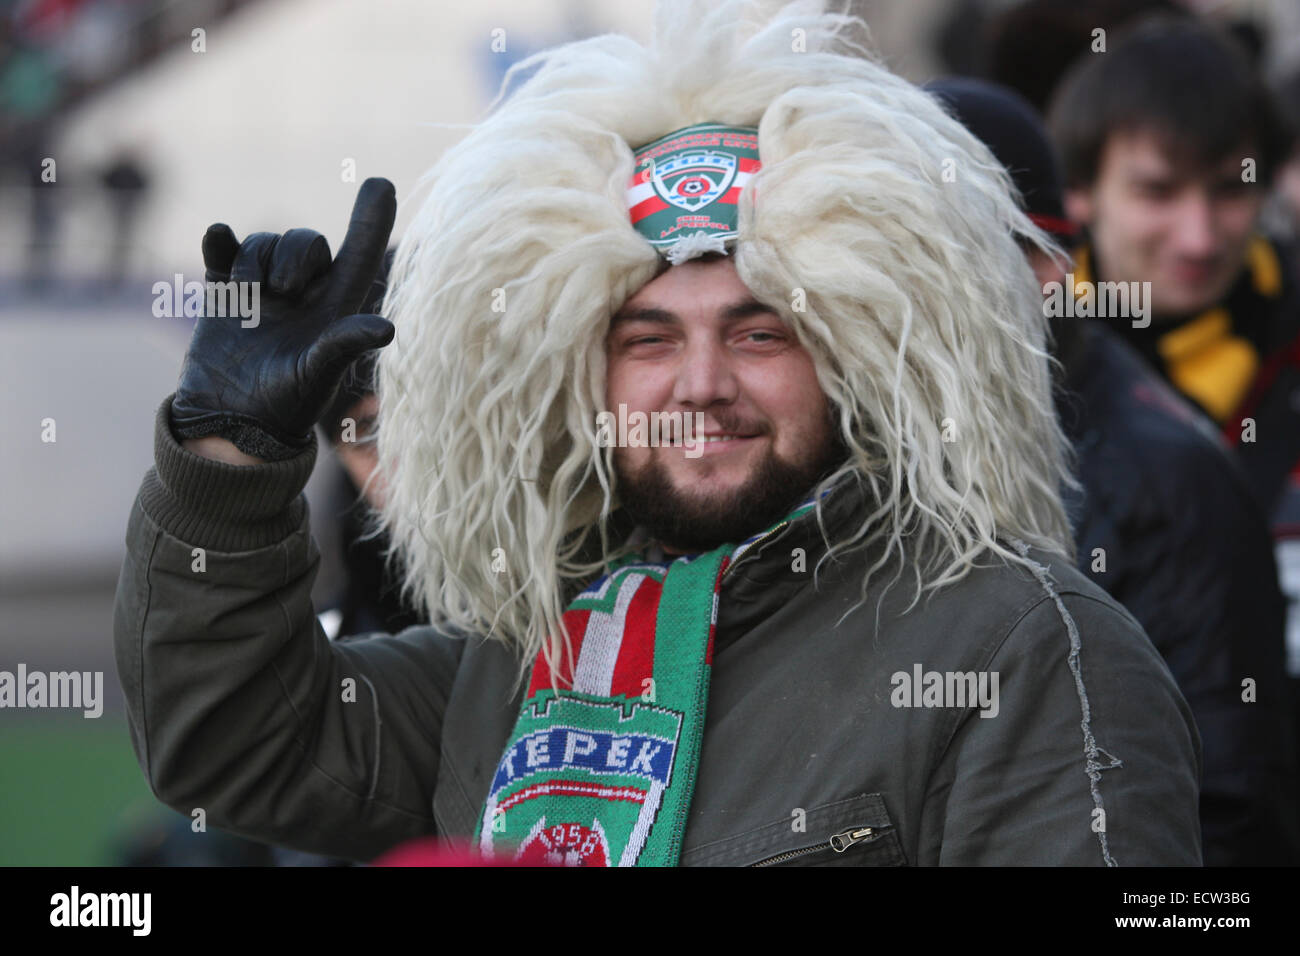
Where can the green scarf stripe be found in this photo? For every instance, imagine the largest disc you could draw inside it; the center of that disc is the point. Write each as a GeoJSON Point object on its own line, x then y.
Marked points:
{"type": "Point", "coordinates": [682, 683]}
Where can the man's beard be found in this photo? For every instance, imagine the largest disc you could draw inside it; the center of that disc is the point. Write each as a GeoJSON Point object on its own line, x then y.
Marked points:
{"type": "Point", "coordinates": [693, 524]}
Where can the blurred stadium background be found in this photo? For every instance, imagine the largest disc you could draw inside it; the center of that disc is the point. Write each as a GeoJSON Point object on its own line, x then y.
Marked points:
{"type": "Point", "coordinates": [152, 140]}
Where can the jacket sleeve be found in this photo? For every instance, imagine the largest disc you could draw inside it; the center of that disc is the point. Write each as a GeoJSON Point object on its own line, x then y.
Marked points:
{"type": "Point", "coordinates": [238, 703]}
{"type": "Point", "coordinates": [1092, 758]}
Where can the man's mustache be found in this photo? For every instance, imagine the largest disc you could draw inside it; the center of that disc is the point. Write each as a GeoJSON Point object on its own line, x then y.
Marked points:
{"type": "Point", "coordinates": [715, 422]}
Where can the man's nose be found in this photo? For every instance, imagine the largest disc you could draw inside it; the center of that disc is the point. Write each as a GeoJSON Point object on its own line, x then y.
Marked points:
{"type": "Point", "coordinates": [705, 376]}
{"type": "Point", "coordinates": [1195, 233]}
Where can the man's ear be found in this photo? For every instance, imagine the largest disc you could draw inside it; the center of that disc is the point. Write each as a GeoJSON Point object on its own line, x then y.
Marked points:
{"type": "Point", "coordinates": [1078, 205]}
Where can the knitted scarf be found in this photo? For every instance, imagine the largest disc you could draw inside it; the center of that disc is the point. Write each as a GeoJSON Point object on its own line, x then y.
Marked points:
{"type": "Point", "coordinates": [1211, 357]}
{"type": "Point", "coordinates": [601, 771]}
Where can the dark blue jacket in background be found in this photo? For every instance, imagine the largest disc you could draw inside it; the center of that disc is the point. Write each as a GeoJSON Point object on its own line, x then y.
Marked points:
{"type": "Point", "coordinates": [1187, 550]}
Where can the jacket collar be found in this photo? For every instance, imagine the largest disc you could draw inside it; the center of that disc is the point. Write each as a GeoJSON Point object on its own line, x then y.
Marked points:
{"type": "Point", "coordinates": [781, 564]}
{"type": "Point", "coordinates": [770, 571]}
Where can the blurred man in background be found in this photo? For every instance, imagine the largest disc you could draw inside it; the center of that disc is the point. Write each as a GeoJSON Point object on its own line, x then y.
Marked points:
{"type": "Point", "coordinates": [1166, 524]}
{"type": "Point", "coordinates": [1170, 143]}
{"type": "Point", "coordinates": [1028, 46]}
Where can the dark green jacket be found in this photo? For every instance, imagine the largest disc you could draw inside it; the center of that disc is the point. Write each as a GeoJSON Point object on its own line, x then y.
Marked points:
{"type": "Point", "coordinates": [237, 702]}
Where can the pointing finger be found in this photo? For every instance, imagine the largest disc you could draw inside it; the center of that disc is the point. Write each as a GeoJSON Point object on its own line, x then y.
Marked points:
{"type": "Point", "coordinates": [362, 253]}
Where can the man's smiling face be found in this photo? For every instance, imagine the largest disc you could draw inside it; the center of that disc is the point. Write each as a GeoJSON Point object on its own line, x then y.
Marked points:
{"type": "Point", "coordinates": [695, 340]}
{"type": "Point", "coordinates": [1157, 217]}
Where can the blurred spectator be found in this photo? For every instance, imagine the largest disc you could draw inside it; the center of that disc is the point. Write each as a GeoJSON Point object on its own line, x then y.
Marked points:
{"type": "Point", "coordinates": [369, 599]}
{"type": "Point", "coordinates": [29, 79]}
{"type": "Point", "coordinates": [54, 55]}
{"type": "Point", "coordinates": [1170, 143]}
{"type": "Point", "coordinates": [127, 182]}
{"type": "Point", "coordinates": [29, 91]}
{"type": "Point", "coordinates": [1032, 44]}
{"type": "Point", "coordinates": [965, 19]}
{"type": "Point", "coordinates": [1166, 524]}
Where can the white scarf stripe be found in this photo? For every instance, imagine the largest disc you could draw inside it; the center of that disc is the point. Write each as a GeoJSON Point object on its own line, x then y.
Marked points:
{"type": "Point", "coordinates": [603, 640]}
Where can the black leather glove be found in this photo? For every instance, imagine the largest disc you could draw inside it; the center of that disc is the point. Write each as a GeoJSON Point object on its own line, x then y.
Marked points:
{"type": "Point", "coordinates": [264, 385]}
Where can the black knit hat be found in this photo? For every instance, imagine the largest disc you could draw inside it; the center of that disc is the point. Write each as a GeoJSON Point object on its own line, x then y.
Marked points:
{"type": "Point", "coordinates": [1015, 134]}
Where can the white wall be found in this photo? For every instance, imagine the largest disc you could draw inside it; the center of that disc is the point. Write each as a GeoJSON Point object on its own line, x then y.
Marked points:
{"type": "Point", "coordinates": [254, 131]}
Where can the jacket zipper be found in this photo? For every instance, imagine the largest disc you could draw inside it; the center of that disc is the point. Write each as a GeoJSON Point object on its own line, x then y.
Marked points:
{"type": "Point", "coordinates": [731, 567]}
{"type": "Point", "coordinates": [839, 842]}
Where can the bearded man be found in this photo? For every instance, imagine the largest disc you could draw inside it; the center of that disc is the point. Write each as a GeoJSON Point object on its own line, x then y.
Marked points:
{"type": "Point", "coordinates": [838, 624]}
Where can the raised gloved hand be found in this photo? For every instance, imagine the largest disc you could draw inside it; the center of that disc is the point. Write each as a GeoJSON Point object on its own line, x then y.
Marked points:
{"type": "Point", "coordinates": [262, 385]}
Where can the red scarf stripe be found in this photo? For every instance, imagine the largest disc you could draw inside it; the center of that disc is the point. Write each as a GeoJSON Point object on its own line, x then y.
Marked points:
{"type": "Point", "coordinates": [579, 788]}
{"type": "Point", "coordinates": [636, 660]}
{"type": "Point", "coordinates": [576, 624]}
{"type": "Point", "coordinates": [1062, 227]}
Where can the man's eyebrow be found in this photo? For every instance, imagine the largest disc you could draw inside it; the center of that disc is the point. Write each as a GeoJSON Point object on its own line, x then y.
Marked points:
{"type": "Point", "coordinates": [745, 309]}
{"type": "Point", "coordinates": [738, 310]}
{"type": "Point", "coordinates": [661, 316]}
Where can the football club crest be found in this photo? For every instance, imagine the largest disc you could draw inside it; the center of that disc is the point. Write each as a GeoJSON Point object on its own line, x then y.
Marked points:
{"type": "Point", "coordinates": [581, 782]}
{"type": "Point", "coordinates": [690, 182]}
{"type": "Point", "coordinates": [695, 178]}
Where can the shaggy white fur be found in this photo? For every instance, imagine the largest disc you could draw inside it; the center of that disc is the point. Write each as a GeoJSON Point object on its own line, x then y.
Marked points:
{"type": "Point", "coordinates": [899, 227]}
